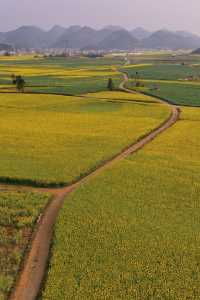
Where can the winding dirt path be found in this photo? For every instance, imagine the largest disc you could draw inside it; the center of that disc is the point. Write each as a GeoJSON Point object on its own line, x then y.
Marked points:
{"type": "Point", "coordinates": [31, 277]}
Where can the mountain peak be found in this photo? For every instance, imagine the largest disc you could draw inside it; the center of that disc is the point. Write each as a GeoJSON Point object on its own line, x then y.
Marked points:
{"type": "Point", "coordinates": [113, 28]}
{"type": "Point", "coordinates": [118, 40]}
{"type": "Point", "coordinates": [165, 39]}
{"type": "Point", "coordinates": [29, 27]}
{"type": "Point", "coordinates": [140, 33]}
{"type": "Point", "coordinates": [57, 28]}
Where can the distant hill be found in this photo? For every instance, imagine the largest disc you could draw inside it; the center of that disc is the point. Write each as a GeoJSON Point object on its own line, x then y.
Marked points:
{"type": "Point", "coordinates": [2, 37]}
{"type": "Point", "coordinates": [187, 34]}
{"type": "Point", "coordinates": [63, 40]}
{"type": "Point", "coordinates": [140, 33]}
{"type": "Point", "coordinates": [100, 36]}
{"type": "Point", "coordinates": [112, 28]}
{"type": "Point", "coordinates": [118, 40]}
{"type": "Point", "coordinates": [26, 37]}
{"type": "Point", "coordinates": [76, 37]}
{"type": "Point", "coordinates": [164, 39]}
{"type": "Point", "coordinates": [197, 51]}
{"type": "Point", "coordinates": [5, 47]}
{"type": "Point", "coordinates": [54, 34]}
{"type": "Point", "coordinates": [108, 38]}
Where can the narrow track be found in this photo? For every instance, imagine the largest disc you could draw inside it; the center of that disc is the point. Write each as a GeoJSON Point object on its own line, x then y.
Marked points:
{"type": "Point", "coordinates": [31, 277]}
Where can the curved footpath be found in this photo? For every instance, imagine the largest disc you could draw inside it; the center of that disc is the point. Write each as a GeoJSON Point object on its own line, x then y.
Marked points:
{"type": "Point", "coordinates": [35, 262]}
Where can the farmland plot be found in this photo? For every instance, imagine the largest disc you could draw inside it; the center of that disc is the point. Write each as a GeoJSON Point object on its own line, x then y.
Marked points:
{"type": "Point", "coordinates": [181, 94]}
{"type": "Point", "coordinates": [56, 139]}
{"type": "Point", "coordinates": [177, 92]}
{"type": "Point", "coordinates": [133, 232]}
{"type": "Point", "coordinates": [164, 71]}
{"type": "Point", "coordinates": [59, 75]}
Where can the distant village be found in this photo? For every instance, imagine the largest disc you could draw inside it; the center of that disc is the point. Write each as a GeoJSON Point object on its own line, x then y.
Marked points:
{"type": "Point", "coordinates": [53, 52]}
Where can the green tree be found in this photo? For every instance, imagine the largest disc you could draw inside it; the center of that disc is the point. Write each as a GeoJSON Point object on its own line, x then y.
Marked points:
{"type": "Point", "coordinates": [110, 84]}
{"type": "Point", "coordinates": [20, 83]}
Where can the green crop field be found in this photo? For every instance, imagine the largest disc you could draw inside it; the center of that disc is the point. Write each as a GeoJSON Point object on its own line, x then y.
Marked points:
{"type": "Point", "coordinates": [180, 93]}
{"type": "Point", "coordinates": [69, 86]}
{"type": "Point", "coordinates": [178, 82]}
{"type": "Point", "coordinates": [55, 139]}
{"type": "Point", "coordinates": [19, 212]}
{"type": "Point", "coordinates": [164, 71]}
{"type": "Point", "coordinates": [133, 231]}
{"type": "Point", "coordinates": [60, 75]}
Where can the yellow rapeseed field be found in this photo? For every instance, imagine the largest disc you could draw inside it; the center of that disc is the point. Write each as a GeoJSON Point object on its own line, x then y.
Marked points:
{"type": "Point", "coordinates": [56, 139]}
{"type": "Point", "coordinates": [133, 231]}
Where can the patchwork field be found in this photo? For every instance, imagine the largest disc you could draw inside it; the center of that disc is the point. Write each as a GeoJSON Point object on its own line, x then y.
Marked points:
{"type": "Point", "coordinates": [177, 83]}
{"type": "Point", "coordinates": [19, 212]}
{"type": "Point", "coordinates": [130, 232]}
{"type": "Point", "coordinates": [78, 76]}
{"type": "Point", "coordinates": [60, 75]}
{"type": "Point", "coordinates": [133, 232]}
{"type": "Point", "coordinates": [56, 139]}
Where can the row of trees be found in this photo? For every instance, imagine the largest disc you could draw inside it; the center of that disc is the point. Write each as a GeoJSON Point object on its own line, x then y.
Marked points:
{"type": "Point", "coordinates": [20, 83]}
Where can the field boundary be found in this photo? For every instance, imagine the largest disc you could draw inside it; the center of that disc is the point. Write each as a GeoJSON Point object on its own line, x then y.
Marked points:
{"type": "Point", "coordinates": [83, 96]}
{"type": "Point", "coordinates": [34, 267]}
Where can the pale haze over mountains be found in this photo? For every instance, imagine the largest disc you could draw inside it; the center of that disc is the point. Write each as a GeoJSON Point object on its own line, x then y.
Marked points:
{"type": "Point", "coordinates": [153, 15]}
{"type": "Point", "coordinates": [131, 15]}
{"type": "Point", "coordinates": [107, 38]}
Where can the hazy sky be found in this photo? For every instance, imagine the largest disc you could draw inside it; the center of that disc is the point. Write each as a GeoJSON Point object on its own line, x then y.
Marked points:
{"type": "Point", "coordinates": [151, 14]}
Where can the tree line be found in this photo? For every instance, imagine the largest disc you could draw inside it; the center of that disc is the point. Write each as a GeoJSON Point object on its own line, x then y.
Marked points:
{"type": "Point", "coordinates": [19, 82]}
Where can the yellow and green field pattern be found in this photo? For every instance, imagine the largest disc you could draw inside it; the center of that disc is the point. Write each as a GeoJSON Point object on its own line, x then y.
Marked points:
{"type": "Point", "coordinates": [54, 140]}
{"type": "Point", "coordinates": [133, 232]}
{"type": "Point", "coordinates": [59, 75]}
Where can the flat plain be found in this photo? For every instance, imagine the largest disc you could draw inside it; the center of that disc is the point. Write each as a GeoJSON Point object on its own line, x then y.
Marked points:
{"type": "Point", "coordinates": [132, 231]}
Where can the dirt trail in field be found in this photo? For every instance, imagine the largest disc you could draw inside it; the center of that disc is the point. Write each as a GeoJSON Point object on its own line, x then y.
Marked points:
{"type": "Point", "coordinates": [32, 274]}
